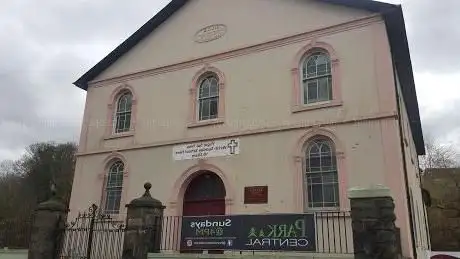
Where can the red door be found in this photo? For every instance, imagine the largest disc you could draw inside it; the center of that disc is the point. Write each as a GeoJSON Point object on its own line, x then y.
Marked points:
{"type": "Point", "coordinates": [205, 195]}
{"type": "Point", "coordinates": [204, 207]}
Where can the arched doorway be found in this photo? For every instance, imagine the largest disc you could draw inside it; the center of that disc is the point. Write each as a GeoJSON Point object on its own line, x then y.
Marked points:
{"type": "Point", "coordinates": [205, 195]}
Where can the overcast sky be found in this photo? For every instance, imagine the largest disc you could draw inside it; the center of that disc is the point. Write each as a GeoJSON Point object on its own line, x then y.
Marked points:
{"type": "Point", "coordinates": [46, 45]}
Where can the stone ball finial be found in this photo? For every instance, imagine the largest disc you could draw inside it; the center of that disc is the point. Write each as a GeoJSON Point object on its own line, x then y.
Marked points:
{"type": "Point", "coordinates": [146, 200]}
{"type": "Point", "coordinates": [147, 186]}
{"type": "Point", "coordinates": [53, 203]}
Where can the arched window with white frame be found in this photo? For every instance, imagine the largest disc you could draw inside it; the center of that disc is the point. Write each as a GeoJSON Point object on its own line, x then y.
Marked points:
{"type": "Point", "coordinates": [114, 187]}
{"type": "Point", "coordinates": [122, 116]}
{"type": "Point", "coordinates": [208, 98]}
{"type": "Point", "coordinates": [321, 175]}
{"type": "Point", "coordinates": [316, 77]}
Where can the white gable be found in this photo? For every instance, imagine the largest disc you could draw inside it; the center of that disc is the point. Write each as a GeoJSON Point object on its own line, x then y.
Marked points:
{"type": "Point", "coordinates": [242, 23]}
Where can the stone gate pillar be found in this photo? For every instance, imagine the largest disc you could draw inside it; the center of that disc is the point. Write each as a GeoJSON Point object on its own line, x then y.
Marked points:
{"type": "Point", "coordinates": [48, 224]}
{"type": "Point", "coordinates": [143, 226]}
{"type": "Point", "coordinates": [373, 223]}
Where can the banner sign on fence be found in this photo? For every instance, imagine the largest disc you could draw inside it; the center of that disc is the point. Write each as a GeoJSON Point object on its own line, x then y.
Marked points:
{"type": "Point", "coordinates": [286, 232]}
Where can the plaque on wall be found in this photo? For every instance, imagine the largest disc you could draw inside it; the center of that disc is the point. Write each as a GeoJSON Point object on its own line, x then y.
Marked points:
{"type": "Point", "coordinates": [210, 33]}
{"type": "Point", "coordinates": [207, 149]}
{"type": "Point", "coordinates": [255, 194]}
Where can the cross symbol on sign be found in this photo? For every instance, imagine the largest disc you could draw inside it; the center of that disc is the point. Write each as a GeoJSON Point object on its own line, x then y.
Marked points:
{"type": "Point", "coordinates": [232, 146]}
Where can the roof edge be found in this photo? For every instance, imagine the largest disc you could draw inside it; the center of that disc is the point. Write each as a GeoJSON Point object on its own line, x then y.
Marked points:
{"type": "Point", "coordinates": [395, 25]}
{"type": "Point", "coordinates": [371, 6]}
{"type": "Point", "coordinates": [130, 42]}
{"type": "Point", "coordinates": [396, 29]}
{"type": "Point", "coordinates": [175, 5]}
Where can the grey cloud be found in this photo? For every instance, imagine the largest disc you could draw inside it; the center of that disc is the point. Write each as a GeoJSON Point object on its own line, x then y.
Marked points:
{"type": "Point", "coordinates": [30, 110]}
{"type": "Point", "coordinates": [433, 36]}
{"type": "Point", "coordinates": [30, 89]}
{"type": "Point", "coordinates": [15, 90]}
{"type": "Point", "coordinates": [70, 22]}
{"type": "Point", "coordinates": [45, 46]}
{"type": "Point", "coordinates": [444, 124]}
{"type": "Point", "coordinates": [17, 101]}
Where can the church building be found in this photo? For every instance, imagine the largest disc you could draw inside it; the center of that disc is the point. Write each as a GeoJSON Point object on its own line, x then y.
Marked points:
{"type": "Point", "coordinates": [251, 107]}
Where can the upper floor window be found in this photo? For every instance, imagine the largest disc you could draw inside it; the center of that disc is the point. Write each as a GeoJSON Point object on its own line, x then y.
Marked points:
{"type": "Point", "coordinates": [208, 98]}
{"type": "Point", "coordinates": [316, 78]}
{"type": "Point", "coordinates": [122, 121]}
{"type": "Point", "coordinates": [321, 177]}
{"type": "Point", "coordinates": [114, 187]}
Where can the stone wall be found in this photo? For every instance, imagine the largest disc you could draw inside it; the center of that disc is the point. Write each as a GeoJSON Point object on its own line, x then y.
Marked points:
{"type": "Point", "coordinates": [375, 235]}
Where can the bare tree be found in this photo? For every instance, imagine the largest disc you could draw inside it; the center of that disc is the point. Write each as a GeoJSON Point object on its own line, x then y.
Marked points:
{"type": "Point", "coordinates": [7, 167]}
{"type": "Point", "coordinates": [25, 182]}
{"type": "Point", "coordinates": [441, 177]}
{"type": "Point", "coordinates": [439, 155]}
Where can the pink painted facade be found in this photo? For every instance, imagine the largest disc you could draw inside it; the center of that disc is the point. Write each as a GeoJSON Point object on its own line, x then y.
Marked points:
{"type": "Point", "coordinates": [257, 64]}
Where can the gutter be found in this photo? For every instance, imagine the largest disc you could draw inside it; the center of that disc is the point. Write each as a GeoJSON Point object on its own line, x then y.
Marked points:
{"type": "Point", "coordinates": [406, 180]}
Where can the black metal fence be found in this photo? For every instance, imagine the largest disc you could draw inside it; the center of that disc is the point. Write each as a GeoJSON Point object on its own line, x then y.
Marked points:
{"type": "Point", "coordinates": [333, 234]}
{"type": "Point", "coordinates": [15, 233]}
{"type": "Point", "coordinates": [91, 234]}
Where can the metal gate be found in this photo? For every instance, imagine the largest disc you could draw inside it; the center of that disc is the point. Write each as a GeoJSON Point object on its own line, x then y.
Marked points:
{"type": "Point", "coordinates": [92, 235]}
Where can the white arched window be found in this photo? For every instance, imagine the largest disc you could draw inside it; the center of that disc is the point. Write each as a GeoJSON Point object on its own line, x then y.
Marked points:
{"type": "Point", "coordinates": [122, 121]}
{"type": "Point", "coordinates": [208, 98]}
{"type": "Point", "coordinates": [114, 187]}
{"type": "Point", "coordinates": [316, 78]}
{"type": "Point", "coordinates": [321, 177]}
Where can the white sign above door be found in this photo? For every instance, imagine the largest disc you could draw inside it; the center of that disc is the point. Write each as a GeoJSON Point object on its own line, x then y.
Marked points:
{"type": "Point", "coordinates": [199, 150]}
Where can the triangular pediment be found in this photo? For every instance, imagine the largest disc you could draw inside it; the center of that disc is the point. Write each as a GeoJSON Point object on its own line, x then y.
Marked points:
{"type": "Point", "coordinates": [207, 27]}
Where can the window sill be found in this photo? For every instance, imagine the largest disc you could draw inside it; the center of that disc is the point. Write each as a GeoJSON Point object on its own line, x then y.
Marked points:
{"type": "Point", "coordinates": [120, 135]}
{"type": "Point", "coordinates": [325, 210]}
{"type": "Point", "coordinates": [196, 124]}
{"type": "Point", "coordinates": [328, 212]}
{"type": "Point", "coordinates": [315, 106]}
{"type": "Point", "coordinates": [332, 215]}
